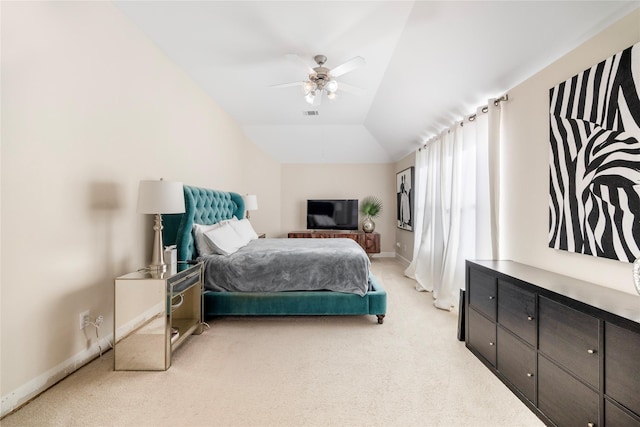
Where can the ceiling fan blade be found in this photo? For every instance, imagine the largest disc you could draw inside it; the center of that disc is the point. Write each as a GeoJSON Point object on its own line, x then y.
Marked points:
{"type": "Point", "coordinates": [351, 89]}
{"type": "Point", "coordinates": [301, 62]}
{"type": "Point", "coordinates": [350, 65]}
{"type": "Point", "coordinates": [287, 84]}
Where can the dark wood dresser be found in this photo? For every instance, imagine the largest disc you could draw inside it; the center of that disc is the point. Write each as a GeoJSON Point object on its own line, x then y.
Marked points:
{"type": "Point", "coordinates": [569, 349]}
{"type": "Point", "coordinates": [370, 242]}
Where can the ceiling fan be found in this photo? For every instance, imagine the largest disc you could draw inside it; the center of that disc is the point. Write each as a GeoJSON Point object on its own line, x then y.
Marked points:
{"type": "Point", "coordinates": [322, 79]}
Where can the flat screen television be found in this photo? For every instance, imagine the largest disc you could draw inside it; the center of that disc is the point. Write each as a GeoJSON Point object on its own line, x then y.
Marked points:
{"type": "Point", "coordinates": [334, 214]}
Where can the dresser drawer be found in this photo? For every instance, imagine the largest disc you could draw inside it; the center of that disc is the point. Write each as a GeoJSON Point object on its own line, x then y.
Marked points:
{"type": "Point", "coordinates": [517, 311]}
{"type": "Point", "coordinates": [517, 362]}
{"type": "Point", "coordinates": [562, 398]}
{"type": "Point", "coordinates": [571, 338]}
{"type": "Point", "coordinates": [622, 365]}
{"type": "Point", "coordinates": [482, 335]}
{"type": "Point", "coordinates": [482, 293]}
{"type": "Point", "coordinates": [616, 417]}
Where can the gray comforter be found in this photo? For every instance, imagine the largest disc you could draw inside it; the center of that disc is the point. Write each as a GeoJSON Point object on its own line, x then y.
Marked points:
{"type": "Point", "coordinates": [267, 265]}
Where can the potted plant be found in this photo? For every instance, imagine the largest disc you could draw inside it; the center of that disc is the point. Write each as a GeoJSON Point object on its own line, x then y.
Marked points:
{"type": "Point", "coordinates": [370, 207]}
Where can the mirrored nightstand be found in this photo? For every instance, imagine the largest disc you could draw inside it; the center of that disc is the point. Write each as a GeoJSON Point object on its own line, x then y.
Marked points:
{"type": "Point", "coordinates": [154, 314]}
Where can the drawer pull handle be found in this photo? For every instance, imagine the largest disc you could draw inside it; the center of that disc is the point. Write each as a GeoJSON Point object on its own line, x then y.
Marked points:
{"type": "Point", "coordinates": [529, 374]}
{"type": "Point", "coordinates": [490, 297]}
{"type": "Point", "coordinates": [529, 317]}
{"type": "Point", "coordinates": [591, 425]}
{"type": "Point", "coordinates": [591, 351]}
{"type": "Point", "coordinates": [492, 343]}
{"type": "Point", "coordinates": [175, 306]}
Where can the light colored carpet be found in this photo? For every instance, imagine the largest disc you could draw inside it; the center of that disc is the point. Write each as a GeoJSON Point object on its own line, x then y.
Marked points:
{"type": "Point", "coordinates": [298, 371]}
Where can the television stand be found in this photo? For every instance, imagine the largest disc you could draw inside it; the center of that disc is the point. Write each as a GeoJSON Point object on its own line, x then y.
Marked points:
{"type": "Point", "coordinates": [370, 242]}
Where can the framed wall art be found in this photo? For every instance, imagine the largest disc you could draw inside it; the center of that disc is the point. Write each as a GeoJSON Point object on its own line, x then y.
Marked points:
{"type": "Point", "coordinates": [594, 160]}
{"type": "Point", "coordinates": [404, 191]}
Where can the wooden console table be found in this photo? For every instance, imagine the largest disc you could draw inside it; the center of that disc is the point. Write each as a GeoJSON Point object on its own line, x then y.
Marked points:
{"type": "Point", "coordinates": [370, 242]}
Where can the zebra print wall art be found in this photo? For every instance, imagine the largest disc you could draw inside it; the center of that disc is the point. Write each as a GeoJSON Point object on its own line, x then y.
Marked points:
{"type": "Point", "coordinates": [594, 187]}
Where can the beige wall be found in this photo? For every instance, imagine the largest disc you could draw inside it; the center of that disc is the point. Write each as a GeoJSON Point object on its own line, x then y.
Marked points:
{"type": "Point", "coordinates": [89, 108]}
{"type": "Point", "coordinates": [341, 181]}
{"type": "Point", "coordinates": [525, 165]}
{"type": "Point", "coordinates": [404, 239]}
{"type": "Point", "coordinates": [84, 118]}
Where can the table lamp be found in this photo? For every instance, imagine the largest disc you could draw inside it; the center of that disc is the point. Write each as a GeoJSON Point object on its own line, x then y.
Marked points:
{"type": "Point", "coordinates": [159, 197]}
{"type": "Point", "coordinates": [250, 203]}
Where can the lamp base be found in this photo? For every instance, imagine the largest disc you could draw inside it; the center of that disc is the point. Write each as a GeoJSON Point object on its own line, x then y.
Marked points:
{"type": "Point", "coordinates": [157, 268]}
{"type": "Point", "coordinates": [157, 254]}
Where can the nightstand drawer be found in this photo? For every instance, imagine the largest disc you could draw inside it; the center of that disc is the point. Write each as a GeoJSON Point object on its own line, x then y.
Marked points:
{"type": "Point", "coordinates": [184, 281]}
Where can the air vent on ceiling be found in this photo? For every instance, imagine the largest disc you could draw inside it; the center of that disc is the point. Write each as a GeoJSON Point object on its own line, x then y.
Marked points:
{"type": "Point", "coordinates": [310, 113]}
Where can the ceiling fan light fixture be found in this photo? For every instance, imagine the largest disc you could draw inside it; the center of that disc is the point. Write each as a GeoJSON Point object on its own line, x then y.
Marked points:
{"type": "Point", "coordinates": [308, 87]}
{"type": "Point", "coordinates": [331, 86]}
{"type": "Point", "coordinates": [310, 97]}
{"type": "Point", "coordinates": [320, 79]}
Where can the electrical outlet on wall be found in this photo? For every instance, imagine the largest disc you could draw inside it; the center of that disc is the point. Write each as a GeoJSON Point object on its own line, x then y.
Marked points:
{"type": "Point", "coordinates": [85, 318]}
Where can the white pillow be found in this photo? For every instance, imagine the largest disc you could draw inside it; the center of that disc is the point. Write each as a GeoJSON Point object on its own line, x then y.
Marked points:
{"type": "Point", "coordinates": [198, 238]}
{"type": "Point", "coordinates": [202, 246]}
{"type": "Point", "coordinates": [244, 229]}
{"type": "Point", "coordinates": [224, 240]}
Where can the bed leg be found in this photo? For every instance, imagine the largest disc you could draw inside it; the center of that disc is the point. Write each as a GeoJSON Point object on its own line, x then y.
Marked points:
{"type": "Point", "coordinates": [380, 318]}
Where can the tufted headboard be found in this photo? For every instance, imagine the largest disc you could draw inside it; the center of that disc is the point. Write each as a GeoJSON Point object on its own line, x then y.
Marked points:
{"type": "Point", "coordinates": [202, 206]}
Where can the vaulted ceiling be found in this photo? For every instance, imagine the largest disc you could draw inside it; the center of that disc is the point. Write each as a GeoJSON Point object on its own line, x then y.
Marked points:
{"type": "Point", "coordinates": [428, 63]}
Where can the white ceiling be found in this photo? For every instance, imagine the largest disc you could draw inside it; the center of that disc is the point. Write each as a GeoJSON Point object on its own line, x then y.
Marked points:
{"type": "Point", "coordinates": [428, 63]}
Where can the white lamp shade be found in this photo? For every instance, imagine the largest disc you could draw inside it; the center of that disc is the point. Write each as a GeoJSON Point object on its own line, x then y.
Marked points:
{"type": "Point", "coordinates": [250, 202]}
{"type": "Point", "coordinates": [160, 197]}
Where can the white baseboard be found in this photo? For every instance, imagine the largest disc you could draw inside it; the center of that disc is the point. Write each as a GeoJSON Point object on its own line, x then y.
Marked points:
{"type": "Point", "coordinates": [28, 391]}
{"type": "Point", "coordinates": [402, 259]}
{"type": "Point", "coordinates": [384, 255]}
{"type": "Point", "coordinates": [23, 394]}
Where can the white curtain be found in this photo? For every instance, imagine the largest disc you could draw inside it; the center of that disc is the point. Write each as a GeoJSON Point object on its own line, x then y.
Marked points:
{"type": "Point", "coordinates": [456, 204]}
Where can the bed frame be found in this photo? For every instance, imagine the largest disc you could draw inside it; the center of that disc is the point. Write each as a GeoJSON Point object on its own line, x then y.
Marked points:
{"type": "Point", "coordinates": [205, 206]}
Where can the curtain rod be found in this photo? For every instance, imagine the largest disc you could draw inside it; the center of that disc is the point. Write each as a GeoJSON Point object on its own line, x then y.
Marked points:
{"type": "Point", "coordinates": [504, 97]}
{"type": "Point", "coordinates": [496, 102]}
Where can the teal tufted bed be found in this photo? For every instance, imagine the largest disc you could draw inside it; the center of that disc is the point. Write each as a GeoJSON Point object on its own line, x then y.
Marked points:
{"type": "Point", "coordinates": [205, 206]}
